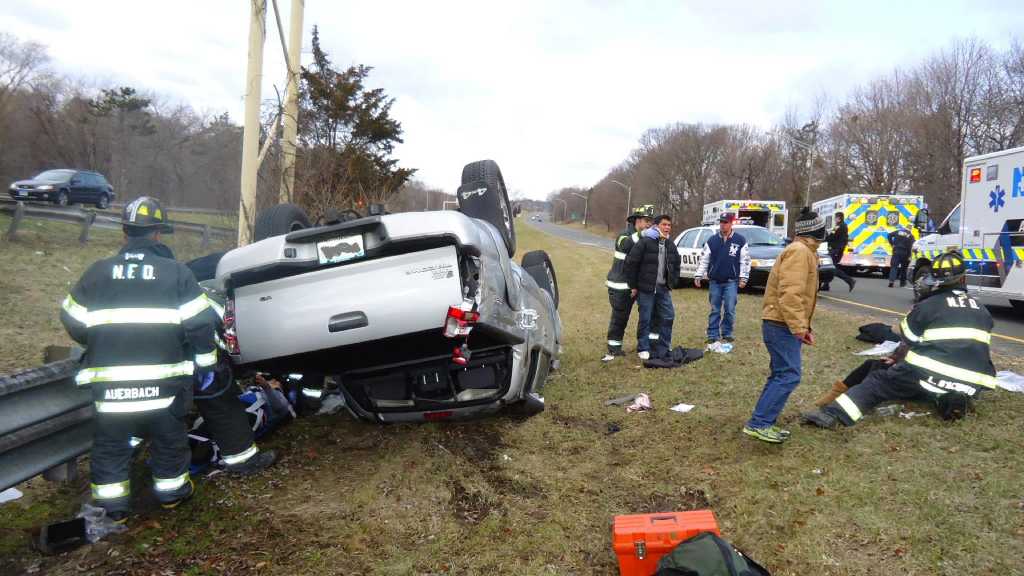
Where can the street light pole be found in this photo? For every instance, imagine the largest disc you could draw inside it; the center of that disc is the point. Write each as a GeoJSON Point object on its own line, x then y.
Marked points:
{"type": "Point", "coordinates": [810, 148]}
{"type": "Point", "coordinates": [629, 195]}
{"type": "Point", "coordinates": [586, 205]}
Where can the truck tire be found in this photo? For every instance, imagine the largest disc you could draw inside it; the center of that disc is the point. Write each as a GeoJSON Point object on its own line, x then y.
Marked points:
{"type": "Point", "coordinates": [483, 195]}
{"type": "Point", "coordinates": [920, 271]}
{"type": "Point", "coordinates": [538, 265]}
{"type": "Point", "coordinates": [279, 219]}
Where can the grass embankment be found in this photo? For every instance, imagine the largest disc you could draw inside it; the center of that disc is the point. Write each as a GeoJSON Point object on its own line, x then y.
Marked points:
{"type": "Point", "coordinates": [536, 496]}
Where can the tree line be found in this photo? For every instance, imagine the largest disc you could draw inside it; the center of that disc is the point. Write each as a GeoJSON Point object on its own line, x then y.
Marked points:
{"type": "Point", "coordinates": [904, 133]}
{"type": "Point", "coordinates": [145, 144]}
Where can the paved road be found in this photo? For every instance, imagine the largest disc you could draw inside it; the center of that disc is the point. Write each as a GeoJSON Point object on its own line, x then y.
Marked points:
{"type": "Point", "coordinates": [871, 296]}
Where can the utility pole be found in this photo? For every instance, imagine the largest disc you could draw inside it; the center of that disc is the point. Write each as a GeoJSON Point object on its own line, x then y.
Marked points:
{"type": "Point", "coordinates": [251, 130]}
{"type": "Point", "coordinates": [291, 106]}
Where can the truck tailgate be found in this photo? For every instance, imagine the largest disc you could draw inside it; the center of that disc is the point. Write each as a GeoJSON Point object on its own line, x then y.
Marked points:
{"type": "Point", "coordinates": [356, 302]}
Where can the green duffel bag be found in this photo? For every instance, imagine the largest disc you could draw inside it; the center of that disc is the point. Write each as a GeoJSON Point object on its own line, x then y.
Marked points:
{"type": "Point", "coordinates": [707, 555]}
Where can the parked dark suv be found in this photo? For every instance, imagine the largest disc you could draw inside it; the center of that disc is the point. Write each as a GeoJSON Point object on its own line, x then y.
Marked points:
{"type": "Point", "coordinates": [65, 187]}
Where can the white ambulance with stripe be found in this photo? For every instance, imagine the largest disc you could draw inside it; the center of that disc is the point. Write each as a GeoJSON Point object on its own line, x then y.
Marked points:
{"type": "Point", "coordinates": [770, 214]}
{"type": "Point", "coordinates": [870, 218]}
{"type": "Point", "coordinates": [987, 227]}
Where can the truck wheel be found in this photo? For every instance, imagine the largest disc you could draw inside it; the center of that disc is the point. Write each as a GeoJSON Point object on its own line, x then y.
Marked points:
{"type": "Point", "coordinates": [920, 271]}
{"type": "Point", "coordinates": [538, 265]}
{"type": "Point", "coordinates": [279, 219]}
{"type": "Point", "coordinates": [483, 195]}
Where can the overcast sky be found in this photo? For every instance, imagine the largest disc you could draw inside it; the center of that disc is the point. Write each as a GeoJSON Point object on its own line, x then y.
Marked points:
{"type": "Point", "coordinates": [557, 92]}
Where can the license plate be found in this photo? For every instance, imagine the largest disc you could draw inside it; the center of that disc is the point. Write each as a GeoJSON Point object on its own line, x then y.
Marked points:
{"type": "Point", "coordinates": [340, 249]}
{"type": "Point", "coordinates": [22, 193]}
{"type": "Point", "coordinates": [880, 259]}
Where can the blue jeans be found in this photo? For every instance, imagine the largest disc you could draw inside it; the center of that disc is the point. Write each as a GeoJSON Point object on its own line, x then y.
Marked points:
{"type": "Point", "coordinates": [784, 349]}
{"type": "Point", "coordinates": [655, 322]}
{"type": "Point", "coordinates": [721, 293]}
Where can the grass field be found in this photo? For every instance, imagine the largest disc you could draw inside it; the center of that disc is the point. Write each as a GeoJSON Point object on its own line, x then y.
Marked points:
{"type": "Point", "coordinates": [537, 496]}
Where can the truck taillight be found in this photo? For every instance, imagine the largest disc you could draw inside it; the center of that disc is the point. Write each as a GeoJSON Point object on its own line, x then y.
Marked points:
{"type": "Point", "coordinates": [230, 336]}
{"type": "Point", "coordinates": [459, 322]}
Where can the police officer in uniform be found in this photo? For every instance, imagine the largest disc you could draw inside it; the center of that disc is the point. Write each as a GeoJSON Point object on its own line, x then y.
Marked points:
{"type": "Point", "coordinates": [618, 289]}
{"type": "Point", "coordinates": [148, 330]}
{"type": "Point", "coordinates": [947, 362]}
{"type": "Point", "coordinates": [902, 242]}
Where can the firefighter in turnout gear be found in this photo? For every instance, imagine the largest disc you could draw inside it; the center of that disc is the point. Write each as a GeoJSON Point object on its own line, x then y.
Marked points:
{"type": "Point", "coordinates": [147, 329]}
{"type": "Point", "coordinates": [618, 289]}
{"type": "Point", "coordinates": [946, 360]}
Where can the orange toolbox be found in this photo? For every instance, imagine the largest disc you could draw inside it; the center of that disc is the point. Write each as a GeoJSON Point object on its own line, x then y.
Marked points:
{"type": "Point", "coordinates": [640, 540]}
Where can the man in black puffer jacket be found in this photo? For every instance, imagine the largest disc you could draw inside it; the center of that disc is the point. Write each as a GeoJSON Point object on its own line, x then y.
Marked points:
{"type": "Point", "coordinates": [652, 269]}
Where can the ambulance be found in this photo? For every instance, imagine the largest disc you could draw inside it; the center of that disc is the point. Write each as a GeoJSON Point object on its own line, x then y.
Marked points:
{"type": "Point", "coordinates": [869, 219]}
{"type": "Point", "coordinates": [770, 214]}
{"type": "Point", "coordinates": [987, 227]}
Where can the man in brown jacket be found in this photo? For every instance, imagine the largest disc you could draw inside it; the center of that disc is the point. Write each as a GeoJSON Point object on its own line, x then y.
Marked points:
{"type": "Point", "coordinates": [789, 301]}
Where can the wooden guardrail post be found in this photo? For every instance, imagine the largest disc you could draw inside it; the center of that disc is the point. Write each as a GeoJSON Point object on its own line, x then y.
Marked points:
{"type": "Point", "coordinates": [205, 243]}
{"type": "Point", "coordinates": [19, 213]}
{"type": "Point", "coordinates": [87, 220]}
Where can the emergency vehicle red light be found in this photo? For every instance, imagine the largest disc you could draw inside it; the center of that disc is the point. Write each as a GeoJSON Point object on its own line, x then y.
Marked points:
{"type": "Point", "coordinates": [975, 175]}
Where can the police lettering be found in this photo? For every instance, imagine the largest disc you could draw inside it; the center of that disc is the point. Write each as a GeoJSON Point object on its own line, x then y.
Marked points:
{"type": "Point", "coordinates": [132, 393]}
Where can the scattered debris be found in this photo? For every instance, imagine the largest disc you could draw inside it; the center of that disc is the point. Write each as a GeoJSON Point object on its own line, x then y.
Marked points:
{"type": "Point", "coordinates": [613, 428]}
{"type": "Point", "coordinates": [720, 347]}
{"type": "Point", "coordinates": [10, 494]}
{"type": "Point", "coordinates": [884, 349]}
{"type": "Point", "coordinates": [817, 471]}
{"type": "Point", "coordinates": [622, 400]}
{"type": "Point", "coordinates": [890, 410]}
{"type": "Point", "coordinates": [682, 408]}
{"type": "Point", "coordinates": [1010, 381]}
{"type": "Point", "coordinates": [909, 415]}
{"type": "Point", "coordinates": [641, 404]}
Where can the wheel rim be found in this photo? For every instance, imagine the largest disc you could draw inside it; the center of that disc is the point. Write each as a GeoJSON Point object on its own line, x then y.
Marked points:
{"type": "Point", "coordinates": [104, 201]}
{"type": "Point", "coordinates": [62, 199]}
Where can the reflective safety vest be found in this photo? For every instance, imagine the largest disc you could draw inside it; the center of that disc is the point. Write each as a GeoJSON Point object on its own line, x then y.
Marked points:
{"type": "Point", "coordinates": [616, 279]}
{"type": "Point", "coordinates": [146, 326]}
{"type": "Point", "coordinates": [948, 335]}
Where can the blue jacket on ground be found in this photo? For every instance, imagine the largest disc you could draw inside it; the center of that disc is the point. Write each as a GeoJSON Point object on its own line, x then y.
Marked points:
{"type": "Point", "coordinates": [724, 259]}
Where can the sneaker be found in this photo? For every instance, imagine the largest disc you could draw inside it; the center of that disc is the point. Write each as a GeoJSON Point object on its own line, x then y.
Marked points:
{"type": "Point", "coordinates": [728, 339]}
{"type": "Point", "coordinates": [644, 355]}
{"type": "Point", "coordinates": [608, 357]}
{"type": "Point", "coordinates": [782, 432]}
{"type": "Point", "coordinates": [890, 284]}
{"type": "Point", "coordinates": [259, 462]}
{"type": "Point", "coordinates": [768, 434]}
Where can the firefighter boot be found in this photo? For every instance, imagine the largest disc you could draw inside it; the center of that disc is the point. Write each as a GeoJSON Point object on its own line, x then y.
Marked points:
{"type": "Point", "coordinates": [819, 418]}
{"type": "Point", "coordinates": [257, 463]}
{"type": "Point", "coordinates": [838, 389]}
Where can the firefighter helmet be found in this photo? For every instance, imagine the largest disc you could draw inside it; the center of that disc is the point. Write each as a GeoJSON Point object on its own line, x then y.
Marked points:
{"type": "Point", "coordinates": [947, 271]}
{"type": "Point", "coordinates": [144, 215]}
{"type": "Point", "coordinates": [645, 211]}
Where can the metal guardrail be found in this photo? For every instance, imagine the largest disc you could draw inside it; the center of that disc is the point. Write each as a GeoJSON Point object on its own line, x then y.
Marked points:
{"type": "Point", "coordinates": [88, 218]}
{"type": "Point", "coordinates": [45, 420]}
{"type": "Point", "coordinates": [173, 209]}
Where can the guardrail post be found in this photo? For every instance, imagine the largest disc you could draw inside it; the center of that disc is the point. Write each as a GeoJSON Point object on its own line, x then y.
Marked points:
{"type": "Point", "coordinates": [19, 213]}
{"type": "Point", "coordinates": [87, 219]}
{"type": "Point", "coordinates": [205, 243]}
{"type": "Point", "coordinates": [66, 472]}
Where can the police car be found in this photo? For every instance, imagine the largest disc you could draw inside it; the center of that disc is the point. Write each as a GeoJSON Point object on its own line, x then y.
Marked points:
{"type": "Point", "coordinates": [764, 247]}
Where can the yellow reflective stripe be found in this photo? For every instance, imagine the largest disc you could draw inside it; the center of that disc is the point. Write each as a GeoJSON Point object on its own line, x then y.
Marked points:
{"type": "Point", "coordinates": [954, 372]}
{"type": "Point", "coordinates": [133, 316]}
{"type": "Point", "coordinates": [169, 484]}
{"type": "Point", "coordinates": [130, 373]}
{"type": "Point", "coordinates": [133, 405]}
{"type": "Point", "coordinates": [216, 307]}
{"type": "Point", "coordinates": [208, 359]}
{"type": "Point", "coordinates": [190, 309]}
{"type": "Point", "coordinates": [617, 285]}
{"type": "Point", "coordinates": [312, 392]}
{"type": "Point", "coordinates": [110, 491]}
{"type": "Point", "coordinates": [956, 334]}
{"type": "Point", "coordinates": [849, 407]}
{"type": "Point", "coordinates": [241, 457]}
{"type": "Point", "coordinates": [620, 255]}
{"type": "Point", "coordinates": [75, 310]}
{"type": "Point", "coordinates": [653, 337]}
{"type": "Point", "coordinates": [905, 328]}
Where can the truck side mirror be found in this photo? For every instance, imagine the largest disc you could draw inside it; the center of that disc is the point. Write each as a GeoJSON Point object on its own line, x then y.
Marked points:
{"type": "Point", "coordinates": [921, 220]}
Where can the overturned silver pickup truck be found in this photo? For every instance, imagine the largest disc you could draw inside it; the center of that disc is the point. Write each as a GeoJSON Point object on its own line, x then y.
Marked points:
{"type": "Point", "coordinates": [417, 316]}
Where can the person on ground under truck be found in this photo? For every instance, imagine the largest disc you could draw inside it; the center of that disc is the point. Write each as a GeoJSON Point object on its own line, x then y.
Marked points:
{"type": "Point", "coordinates": [725, 263]}
{"type": "Point", "coordinates": [902, 242]}
{"type": "Point", "coordinates": [837, 240]}
{"type": "Point", "coordinates": [619, 295]}
{"type": "Point", "coordinates": [947, 362]}
{"type": "Point", "coordinates": [652, 269]}
{"type": "Point", "coordinates": [143, 320]}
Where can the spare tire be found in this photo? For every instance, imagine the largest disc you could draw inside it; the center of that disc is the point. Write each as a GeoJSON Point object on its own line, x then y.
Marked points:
{"type": "Point", "coordinates": [279, 219]}
{"type": "Point", "coordinates": [483, 195]}
{"type": "Point", "coordinates": [538, 265]}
